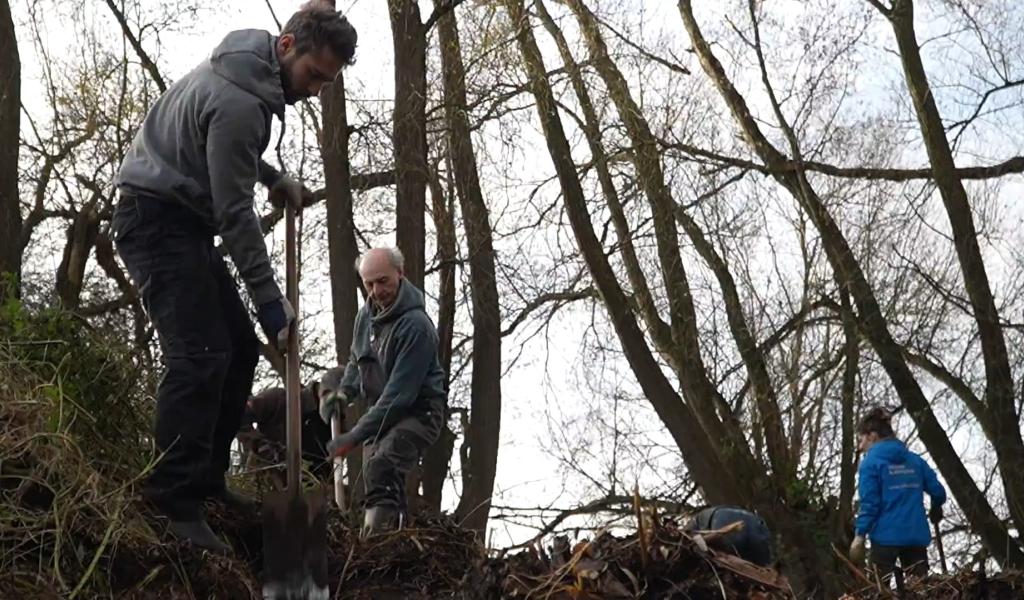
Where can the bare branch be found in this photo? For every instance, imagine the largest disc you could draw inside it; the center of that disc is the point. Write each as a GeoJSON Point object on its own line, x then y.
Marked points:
{"type": "Point", "coordinates": [147, 62]}
{"type": "Point", "coordinates": [441, 8]}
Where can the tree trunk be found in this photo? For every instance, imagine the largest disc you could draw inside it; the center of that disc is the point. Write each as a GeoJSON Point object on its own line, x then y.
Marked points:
{"type": "Point", "coordinates": [10, 123]}
{"type": "Point", "coordinates": [872, 322]}
{"type": "Point", "coordinates": [772, 509]}
{"type": "Point", "coordinates": [848, 398]}
{"type": "Point", "coordinates": [698, 452]}
{"type": "Point", "coordinates": [410, 134]}
{"type": "Point", "coordinates": [658, 329]}
{"type": "Point", "coordinates": [341, 245]}
{"type": "Point", "coordinates": [437, 458]}
{"type": "Point", "coordinates": [1004, 431]}
{"type": "Point", "coordinates": [485, 408]}
{"type": "Point", "coordinates": [768, 496]}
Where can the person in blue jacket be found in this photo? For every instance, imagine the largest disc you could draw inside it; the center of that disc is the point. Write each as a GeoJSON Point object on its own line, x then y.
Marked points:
{"type": "Point", "coordinates": [892, 482]}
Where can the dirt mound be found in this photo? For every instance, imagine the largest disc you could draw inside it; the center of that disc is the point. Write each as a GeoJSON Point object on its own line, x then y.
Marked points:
{"type": "Point", "coordinates": [1008, 585]}
{"type": "Point", "coordinates": [659, 561]}
{"type": "Point", "coordinates": [74, 443]}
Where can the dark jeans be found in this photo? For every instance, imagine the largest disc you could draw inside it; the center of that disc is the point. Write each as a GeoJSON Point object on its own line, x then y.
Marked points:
{"type": "Point", "coordinates": [387, 461]}
{"type": "Point", "coordinates": [913, 559]}
{"type": "Point", "coordinates": [209, 348]}
{"type": "Point", "coordinates": [752, 542]}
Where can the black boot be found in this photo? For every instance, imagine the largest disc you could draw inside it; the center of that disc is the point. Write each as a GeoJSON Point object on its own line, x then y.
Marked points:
{"type": "Point", "coordinates": [200, 535]}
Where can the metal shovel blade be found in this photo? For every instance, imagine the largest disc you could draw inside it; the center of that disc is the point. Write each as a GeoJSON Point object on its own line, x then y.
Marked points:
{"type": "Point", "coordinates": [295, 546]}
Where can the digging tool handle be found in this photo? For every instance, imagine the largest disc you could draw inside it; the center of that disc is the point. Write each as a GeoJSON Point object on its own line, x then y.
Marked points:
{"type": "Point", "coordinates": [942, 551]}
{"type": "Point", "coordinates": [339, 465]}
{"type": "Point", "coordinates": [292, 386]}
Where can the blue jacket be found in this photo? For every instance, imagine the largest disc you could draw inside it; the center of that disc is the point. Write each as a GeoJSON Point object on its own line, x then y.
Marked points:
{"type": "Point", "coordinates": [892, 483]}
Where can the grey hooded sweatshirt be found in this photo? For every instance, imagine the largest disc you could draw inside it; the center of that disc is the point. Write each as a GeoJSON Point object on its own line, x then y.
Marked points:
{"type": "Point", "coordinates": [201, 142]}
{"type": "Point", "coordinates": [393, 363]}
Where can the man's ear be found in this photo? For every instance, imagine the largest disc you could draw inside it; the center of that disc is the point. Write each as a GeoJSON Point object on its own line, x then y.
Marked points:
{"type": "Point", "coordinates": [285, 43]}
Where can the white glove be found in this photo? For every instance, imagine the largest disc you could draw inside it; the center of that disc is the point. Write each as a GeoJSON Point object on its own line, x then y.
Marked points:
{"type": "Point", "coordinates": [332, 398]}
{"type": "Point", "coordinates": [858, 552]}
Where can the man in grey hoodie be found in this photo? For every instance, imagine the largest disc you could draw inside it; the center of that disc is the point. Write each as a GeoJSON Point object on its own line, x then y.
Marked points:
{"type": "Point", "coordinates": [189, 176]}
{"type": "Point", "coordinates": [393, 365]}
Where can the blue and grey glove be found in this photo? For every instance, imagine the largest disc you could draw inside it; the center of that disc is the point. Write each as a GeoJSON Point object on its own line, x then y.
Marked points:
{"type": "Point", "coordinates": [275, 318]}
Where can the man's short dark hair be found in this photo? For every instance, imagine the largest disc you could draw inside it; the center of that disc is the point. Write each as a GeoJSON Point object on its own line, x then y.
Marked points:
{"type": "Point", "coordinates": [877, 420]}
{"type": "Point", "coordinates": [318, 25]}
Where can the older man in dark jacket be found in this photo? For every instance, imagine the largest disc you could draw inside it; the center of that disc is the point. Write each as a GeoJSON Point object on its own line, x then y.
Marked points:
{"type": "Point", "coordinates": [393, 365]}
{"type": "Point", "coordinates": [189, 176]}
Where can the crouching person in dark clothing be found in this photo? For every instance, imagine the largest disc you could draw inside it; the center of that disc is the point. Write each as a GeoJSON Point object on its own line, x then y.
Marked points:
{"type": "Point", "coordinates": [752, 542]}
{"type": "Point", "coordinates": [394, 367]}
{"type": "Point", "coordinates": [265, 445]}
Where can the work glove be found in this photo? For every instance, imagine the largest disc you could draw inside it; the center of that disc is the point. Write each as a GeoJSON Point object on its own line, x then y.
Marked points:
{"type": "Point", "coordinates": [935, 514]}
{"type": "Point", "coordinates": [332, 398]}
{"type": "Point", "coordinates": [341, 445]}
{"type": "Point", "coordinates": [290, 191]}
{"type": "Point", "coordinates": [858, 551]}
{"type": "Point", "coordinates": [275, 318]}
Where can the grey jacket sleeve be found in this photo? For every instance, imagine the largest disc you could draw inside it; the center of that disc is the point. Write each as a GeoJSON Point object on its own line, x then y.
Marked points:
{"type": "Point", "coordinates": [415, 349]}
{"type": "Point", "coordinates": [232, 155]}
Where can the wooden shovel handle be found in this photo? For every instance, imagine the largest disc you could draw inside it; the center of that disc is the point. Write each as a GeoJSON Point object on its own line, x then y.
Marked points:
{"type": "Point", "coordinates": [292, 385]}
{"type": "Point", "coordinates": [339, 466]}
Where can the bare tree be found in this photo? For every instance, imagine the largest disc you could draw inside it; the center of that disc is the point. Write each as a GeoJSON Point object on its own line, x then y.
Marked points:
{"type": "Point", "coordinates": [871, 319]}
{"type": "Point", "coordinates": [700, 454]}
{"type": "Point", "coordinates": [410, 133]}
{"type": "Point", "coordinates": [437, 458]}
{"type": "Point", "coordinates": [999, 418]}
{"type": "Point", "coordinates": [341, 239]}
{"type": "Point", "coordinates": [485, 411]}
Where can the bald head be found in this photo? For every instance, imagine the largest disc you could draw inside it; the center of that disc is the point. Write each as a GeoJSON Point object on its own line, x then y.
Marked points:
{"type": "Point", "coordinates": [381, 272]}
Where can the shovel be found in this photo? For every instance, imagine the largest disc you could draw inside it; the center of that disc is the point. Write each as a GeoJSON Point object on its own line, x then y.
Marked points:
{"type": "Point", "coordinates": [294, 523]}
{"type": "Point", "coordinates": [942, 551]}
{"type": "Point", "coordinates": [337, 428]}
